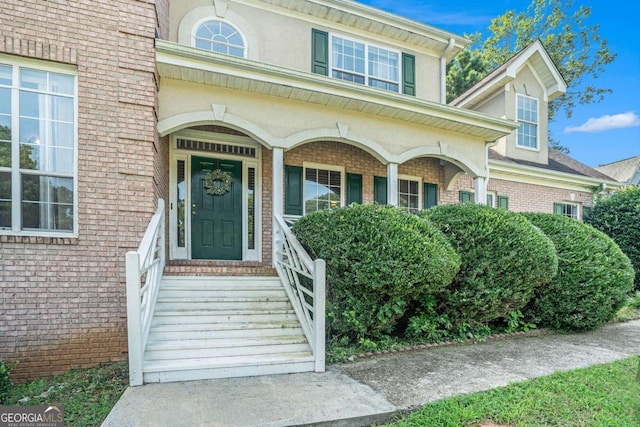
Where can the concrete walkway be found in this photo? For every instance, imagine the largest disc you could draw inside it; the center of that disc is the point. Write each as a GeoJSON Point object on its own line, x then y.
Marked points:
{"type": "Point", "coordinates": [369, 391]}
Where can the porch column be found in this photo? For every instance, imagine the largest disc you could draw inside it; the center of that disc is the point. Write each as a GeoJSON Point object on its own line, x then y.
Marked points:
{"type": "Point", "coordinates": [481, 190]}
{"type": "Point", "coordinates": [277, 193]}
{"type": "Point", "coordinates": [392, 184]}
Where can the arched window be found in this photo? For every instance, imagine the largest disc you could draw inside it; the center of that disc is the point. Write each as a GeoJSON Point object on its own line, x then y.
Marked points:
{"type": "Point", "coordinates": [218, 36]}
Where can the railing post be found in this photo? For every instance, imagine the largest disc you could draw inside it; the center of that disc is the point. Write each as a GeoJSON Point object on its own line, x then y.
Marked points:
{"type": "Point", "coordinates": [319, 295]}
{"type": "Point", "coordinates": [134, 318]}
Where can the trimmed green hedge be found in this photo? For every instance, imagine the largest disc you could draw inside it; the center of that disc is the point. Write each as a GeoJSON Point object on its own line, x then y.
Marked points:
{"type": "Point", "coordinates": [618, 217]}
{"type": "Point", "coordinates": [379, 260]}
{"type": "Point", "coordinates": [504, 259]}
{"type": "Point", "coordinates": [5, 382]}
{"type": "Point", "coordinates": [593, 281]}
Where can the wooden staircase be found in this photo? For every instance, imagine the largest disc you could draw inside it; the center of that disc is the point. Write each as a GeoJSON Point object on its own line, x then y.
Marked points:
{"type": "Point", "coordinates": [219, 327]}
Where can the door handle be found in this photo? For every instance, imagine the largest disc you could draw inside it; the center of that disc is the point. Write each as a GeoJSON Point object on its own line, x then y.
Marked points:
{"type": "Point", "coordinates": [193, 212]}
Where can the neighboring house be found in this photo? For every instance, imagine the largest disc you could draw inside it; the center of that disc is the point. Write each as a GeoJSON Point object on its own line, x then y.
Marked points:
{"type": "Point", "coordinates": [625, 171]}
{"type": "Point", "coordinates": [237, 114]}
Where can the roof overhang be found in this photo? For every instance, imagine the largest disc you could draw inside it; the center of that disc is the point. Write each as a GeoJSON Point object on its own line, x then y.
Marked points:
{"type": "Point", "coordinates": [185, 63]}
{"type": "Point", "coordinates": [533, 175]}
{"type": "Point", "coordinates": [358, 16]}
{"type": "Point", "coordinates": [535, 56]}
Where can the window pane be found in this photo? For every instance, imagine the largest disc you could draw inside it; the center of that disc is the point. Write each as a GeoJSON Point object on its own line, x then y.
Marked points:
{"type": "Point", "coordinates": [5, 141]}
{"type": "Point", "coordinates": [32, 79]}
{"type": "Point", "coordinates": [5, 75]}
{"type": "Point", "coordinates": [251, 204]}
{"type": "Point", "coordinates": [62, 134]}
{"type": "Point", "coordinates": [5, 200]}
{"type": "Point", "coordinates": [181, 203]}
{"type": "Point", "coordinates": [220, 37]}
{"type": "Point", "coordinates": [61, 108]}
{"type": "Point", "coordinates": [60, 83]}
{"type": "Point", "coordinates": [47, 203]}
{"type": "Point", "coordinates": [32, 104]}
{"type": "Point", "coordinates": [5, 101]}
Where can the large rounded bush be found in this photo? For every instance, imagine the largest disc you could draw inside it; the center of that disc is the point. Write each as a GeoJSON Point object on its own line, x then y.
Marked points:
{"type": "Point", "coordinates": [379, 259]}
{"type": "Point", "coordinates": [504, 259]}
{"type": "Point", "coordinates": [593, 280]}
{"type": "Point", "coordinates": [618, 217]}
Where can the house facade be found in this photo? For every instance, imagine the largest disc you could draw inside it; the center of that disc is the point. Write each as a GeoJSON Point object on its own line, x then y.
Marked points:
{"type": "Point", "coordinates": [237, 114]}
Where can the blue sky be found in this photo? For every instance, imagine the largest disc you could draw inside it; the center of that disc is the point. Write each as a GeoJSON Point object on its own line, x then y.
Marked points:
{"type": "Point", "coordinates": [596, 133]}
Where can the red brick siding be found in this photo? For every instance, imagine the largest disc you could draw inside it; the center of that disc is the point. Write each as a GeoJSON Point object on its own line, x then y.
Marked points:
{"type": "Point", "coordinates": [63, 300]}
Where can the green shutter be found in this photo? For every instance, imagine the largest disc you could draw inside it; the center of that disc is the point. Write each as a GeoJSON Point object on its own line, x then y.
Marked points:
{"type": "Point", "coordinates": [354, 188]}
{"type": "Point", "coordinates": [408, 74]}
{"type": "Point", "coordinates": [430, 195]}
{"type": "Point", "coordinates": [320, 52]}
{"type": "Point", "coordinates": [380, 189]}
{"type": "Point", "coordinates": [465, 197]}
{"type": "Point", "coordinates": [503, 202]}
{"type": "Point", "coordinates": [293, 183]}
{"type": "Point", "coordinates": [557, 208]}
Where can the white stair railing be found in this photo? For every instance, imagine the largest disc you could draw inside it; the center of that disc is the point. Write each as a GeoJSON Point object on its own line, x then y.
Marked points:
{"type": "Point", "coordinates": [305, 282]}
{"type": "Point", "coordinates": [145, 265]}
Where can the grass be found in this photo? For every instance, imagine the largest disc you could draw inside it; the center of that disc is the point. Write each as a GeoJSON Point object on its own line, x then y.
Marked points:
{"type": "Point", "coordinates": [87, 395]}
{"type": "Point", "coordinates": [602, 395]}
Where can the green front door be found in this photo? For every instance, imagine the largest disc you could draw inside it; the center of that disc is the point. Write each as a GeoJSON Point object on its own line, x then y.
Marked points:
{"type": "Point", "coordinates": [216, 219]}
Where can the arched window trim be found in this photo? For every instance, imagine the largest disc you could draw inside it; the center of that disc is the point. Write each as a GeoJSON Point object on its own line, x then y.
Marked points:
{"type": "Point", "coordinates": [203, 21]}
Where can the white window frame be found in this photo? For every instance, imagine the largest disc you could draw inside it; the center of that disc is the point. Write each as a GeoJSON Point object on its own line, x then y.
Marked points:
{"type": "Point", "coordinates": [322, 166]}
{"type": "Point", "coordinates": [367, 75]}
{"type": "Point", "coordinates": [202, 21]}
{"type": "Point", "coordinates": [16, 65]}
{"type": "Point", "coordinates": [574, 205]}
{"type": "Point", "coordinates": [420, 195]}
{"type": "Point", "coordinates": [176, 154]}
{"type": "Point", "coordinates": [537, 123]}
{"type": "Point", "coordinates": [494, 198]}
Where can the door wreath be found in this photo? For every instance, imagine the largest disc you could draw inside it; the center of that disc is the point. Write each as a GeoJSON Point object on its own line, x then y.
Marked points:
{"type": "Point", "coordinates": [218, 182]}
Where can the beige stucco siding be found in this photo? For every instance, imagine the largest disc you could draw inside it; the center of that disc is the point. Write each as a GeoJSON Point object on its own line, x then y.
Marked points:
{"type": "Point", "coordinates": [287, 123]}
{"type": "Point", "coordinates": [284, 39]}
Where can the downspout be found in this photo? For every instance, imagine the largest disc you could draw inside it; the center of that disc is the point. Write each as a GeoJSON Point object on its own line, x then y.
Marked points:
{"type": "Point", "coordinates": [443, 70]}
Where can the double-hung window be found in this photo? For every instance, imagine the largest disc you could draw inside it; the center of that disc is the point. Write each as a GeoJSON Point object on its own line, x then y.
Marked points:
{"type": "Point", "coordinates": [567, 209]}
{"type": "Point", "coordinates": [527, 136]}
{"type": "Point", "coordinates": [409, 194]}
{"type": "Point", "coordinates": [37, 150]}
{"type": "Point", "coordinates": [365, 64]}
{"type": "Point", "coordinates": [322, 189]}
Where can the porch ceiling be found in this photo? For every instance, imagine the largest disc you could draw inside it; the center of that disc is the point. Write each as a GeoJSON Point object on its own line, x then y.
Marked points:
{"type": "Point", "coordinates": [179, 62]}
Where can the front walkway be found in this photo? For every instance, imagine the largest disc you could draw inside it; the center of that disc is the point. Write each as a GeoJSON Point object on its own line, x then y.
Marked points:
{"type": "Point", "coordinates": [371, 390]}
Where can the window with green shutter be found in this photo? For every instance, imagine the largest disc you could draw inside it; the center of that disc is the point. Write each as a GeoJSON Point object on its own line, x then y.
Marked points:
{"type": "Point", "coordinates": [430, 195]}
{"type": "Point", "coordinates": [320, 52]}
{"type": "Point", "coordinates": [503, 202]}
{"type": "Point", "coordinates": [380, 189]}
{"type": "Point", "coordinates": [354, 188]}
{"type": "Point", "coordinates": [293, 190]}
{"type": "Point", "coordinates": [465, 197]}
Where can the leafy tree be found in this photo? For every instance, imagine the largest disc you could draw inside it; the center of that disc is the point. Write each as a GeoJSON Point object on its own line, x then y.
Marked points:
{"type": "Point", "coordinates": [576, 48]}
{"type": "Point", "coordinates": [468, 68]}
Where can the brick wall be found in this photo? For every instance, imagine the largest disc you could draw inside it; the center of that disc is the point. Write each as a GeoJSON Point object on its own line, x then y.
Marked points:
{"type": "Point", "coordinates": [62, 301]}
{"type": "Point", "coordinates": [524, 197]}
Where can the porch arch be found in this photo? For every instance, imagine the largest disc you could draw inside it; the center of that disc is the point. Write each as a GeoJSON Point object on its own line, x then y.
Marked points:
{"type": "Point", "coordinates": [451, 156]}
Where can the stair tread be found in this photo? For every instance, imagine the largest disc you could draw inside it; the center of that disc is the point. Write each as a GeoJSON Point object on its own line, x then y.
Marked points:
{"type": "Point", "coordinates": [225, 362]}
{"type": "Point", "coordinates": [221, 312]}
{"type": "Point", "coordinates": [163, 299]}
{"type": "Point", "coordinates": [188, 344]}
{"type": "Point", "coordinates": [203, 327]}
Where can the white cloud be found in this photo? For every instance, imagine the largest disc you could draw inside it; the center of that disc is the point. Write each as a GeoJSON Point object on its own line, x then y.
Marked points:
{"type": "Point", "coordinates": [607, 122]}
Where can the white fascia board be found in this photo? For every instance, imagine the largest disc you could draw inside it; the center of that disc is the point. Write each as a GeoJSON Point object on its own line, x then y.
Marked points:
{"type": "Point", "coordinates": [192, 58]}
{"type": "Point", "coordinates": [532, 175]}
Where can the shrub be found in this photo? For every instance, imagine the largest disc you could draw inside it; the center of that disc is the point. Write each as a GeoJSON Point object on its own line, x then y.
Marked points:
{"type": "Point", "coordinates": [593, 280]}
{"type": "Point", "coordinates": [379, 259]}
{"type": "Point", "coordinates": [503, 260]}
{"type": "Point", "coordinates": [5, 383]}
{"type": "Point", "coordinates": [618, 217]}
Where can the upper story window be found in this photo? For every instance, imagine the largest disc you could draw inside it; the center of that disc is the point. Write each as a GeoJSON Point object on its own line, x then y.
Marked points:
{"type": "Point", "coordinates": [527, 136]}
{"type": "Point", "coordinates": [221, 37]}
{"type": "Point", "coordinates": [360, 63]}
{"type": "Point", "coordinates": [37, 150]}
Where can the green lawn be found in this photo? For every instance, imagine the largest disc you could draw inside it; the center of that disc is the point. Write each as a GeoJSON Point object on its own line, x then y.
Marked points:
{"type": "Point", "coordinates": [87, 395]}
{"type": "Point", "coordinates": [604, 395]}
